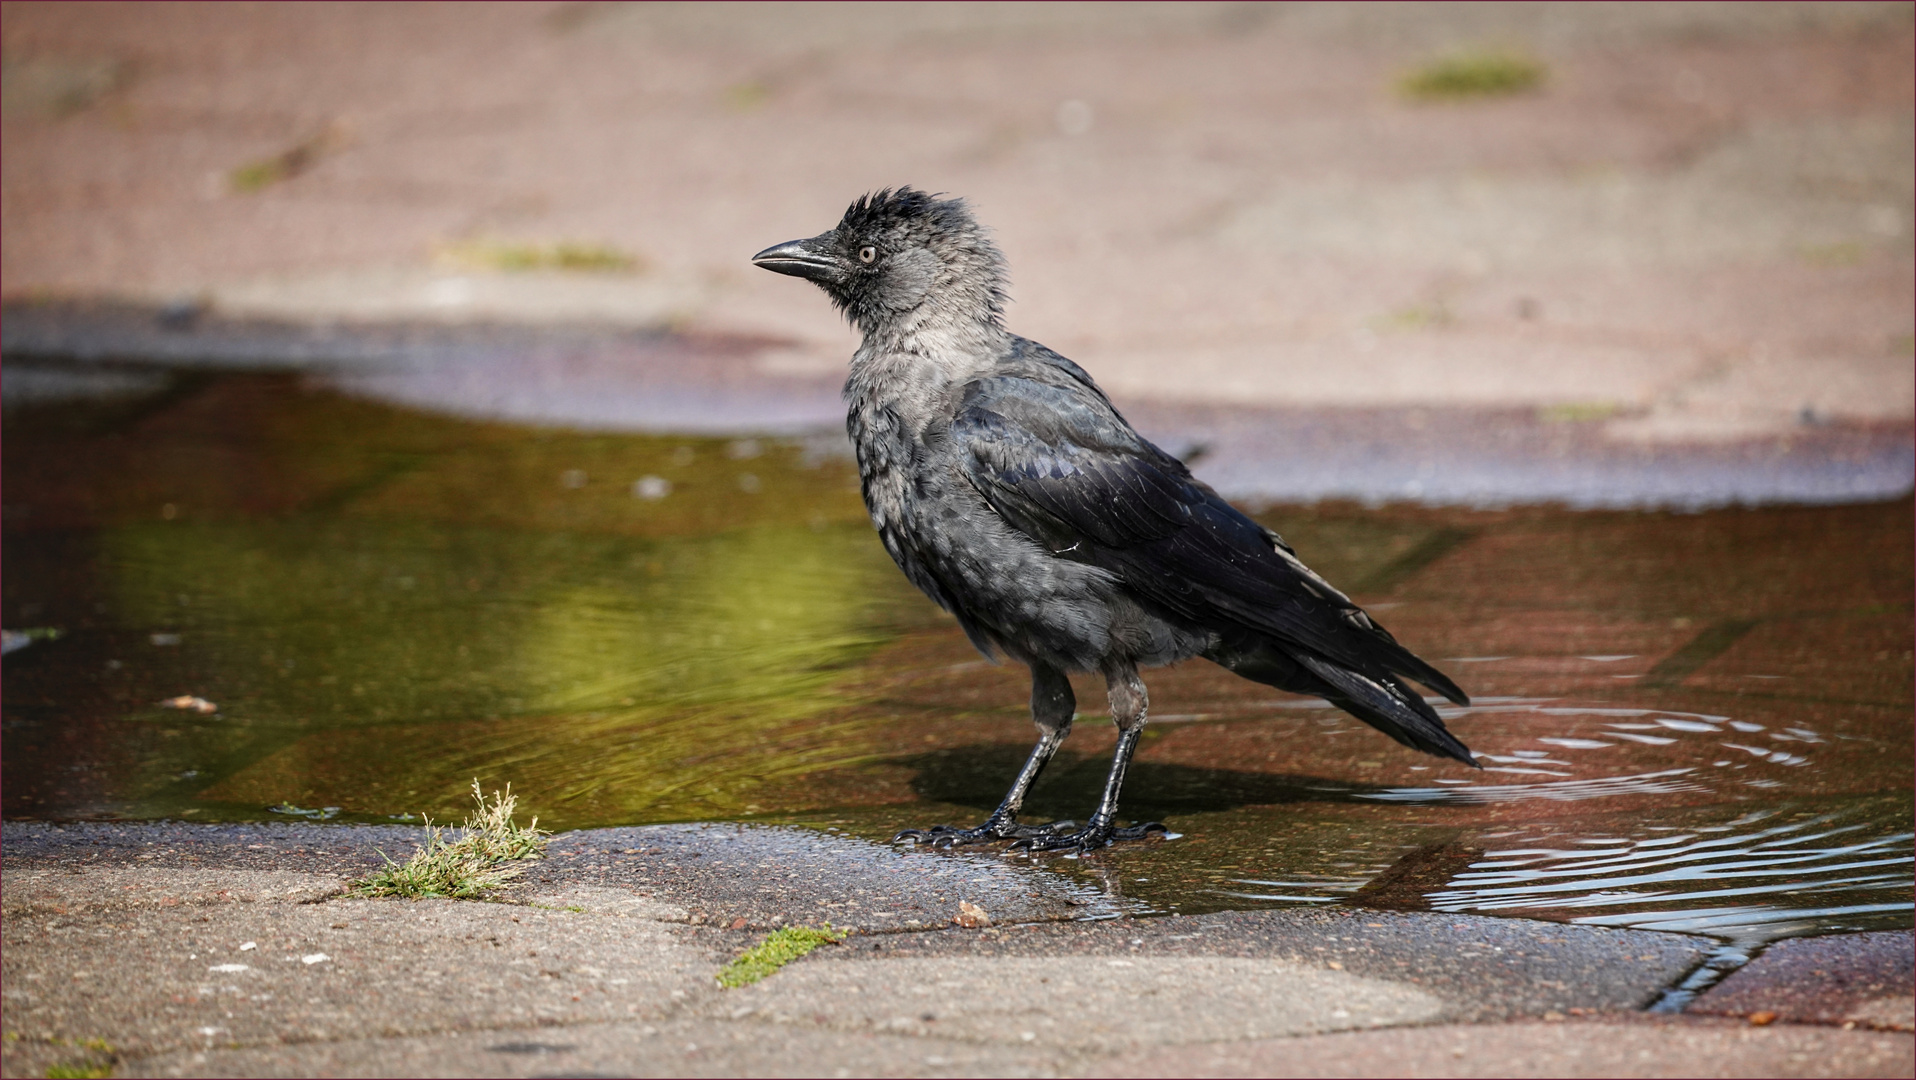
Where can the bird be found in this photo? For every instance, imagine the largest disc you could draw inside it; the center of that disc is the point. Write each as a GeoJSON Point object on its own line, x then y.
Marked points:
{"type": "Point", "coordinates": [1009, 489]}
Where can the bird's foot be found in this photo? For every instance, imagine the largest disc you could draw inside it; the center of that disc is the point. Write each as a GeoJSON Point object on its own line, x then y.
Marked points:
{"type": "Point", "coordinates": [1090, 838]}
{"type": "Point", "coordinates": [944, 836]}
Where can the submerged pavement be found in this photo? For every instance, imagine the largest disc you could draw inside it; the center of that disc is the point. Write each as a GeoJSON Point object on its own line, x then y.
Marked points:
{"type": "Point", "coordinates": [235, 950]}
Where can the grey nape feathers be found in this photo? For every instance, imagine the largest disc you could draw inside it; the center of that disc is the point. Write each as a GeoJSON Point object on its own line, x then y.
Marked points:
{"type": "Point", "coordinates": [1008, 488]}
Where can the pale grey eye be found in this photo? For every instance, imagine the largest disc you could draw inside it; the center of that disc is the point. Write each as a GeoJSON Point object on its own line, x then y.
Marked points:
{"type": "Point", "coordinates": [867, 254]}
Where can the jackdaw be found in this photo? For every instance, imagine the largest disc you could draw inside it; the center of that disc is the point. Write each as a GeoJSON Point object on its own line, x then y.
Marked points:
{"type": "Point", "coordinates": [1006, 486]}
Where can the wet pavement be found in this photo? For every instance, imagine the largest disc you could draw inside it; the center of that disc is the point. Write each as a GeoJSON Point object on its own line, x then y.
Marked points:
{"type": "Point", "coordinates": [1844, 978]}
{"type": "Point", "coordinates": [316, 510]}
{"type": "Point", "coordinates": [250, 597]}
{"type": "Point", "coordinates": [648, 379]}
{"type": "Point", "coordinates": [1693, 722]}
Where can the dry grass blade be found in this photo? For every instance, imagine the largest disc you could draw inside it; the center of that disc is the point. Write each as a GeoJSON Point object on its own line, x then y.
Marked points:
{"type": "Point", "coordinates": [480, 859]}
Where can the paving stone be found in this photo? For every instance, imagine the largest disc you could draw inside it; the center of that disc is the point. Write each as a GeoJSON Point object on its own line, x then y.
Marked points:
{"type": "Point", "coordinates": [769, 876]}
{"type": "Point", "coordinates": [1080, 1002]}
{"type": "Point", "coordinates": [1482, 968]}
{"type": "Point", "coordinates": [1844, 978]}
{"type": "Point", "coordinates": [673, 1048]}
{"type": "Point", "coordinates": [1613, 1047]}
{"type": "Point", "coordinates": [64, 891]}
{"type": "Point", "coordinates": [336, 850]}
{"type": "Point", "coordinates": [205, 972]}
{"type": "Point", "coordinates": [134, 938]}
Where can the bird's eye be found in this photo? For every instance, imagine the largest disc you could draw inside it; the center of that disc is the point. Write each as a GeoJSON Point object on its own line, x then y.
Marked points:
{"type": "Point", "coordinates": [868, 254]}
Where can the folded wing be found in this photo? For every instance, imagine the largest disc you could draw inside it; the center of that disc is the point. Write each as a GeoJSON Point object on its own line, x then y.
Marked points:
{"type": "Point", "coordinates": [1058, 463]}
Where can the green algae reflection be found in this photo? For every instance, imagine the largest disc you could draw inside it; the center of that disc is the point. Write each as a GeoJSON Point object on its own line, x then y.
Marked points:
{"type": "Point", "coordinates": [376, 665]}
{"type": "Point", "coordinates": [385, 605]}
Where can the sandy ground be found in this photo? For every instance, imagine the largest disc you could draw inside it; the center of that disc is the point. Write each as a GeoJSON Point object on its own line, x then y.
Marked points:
{"type": "Point", "coordinates": [1699, 227]}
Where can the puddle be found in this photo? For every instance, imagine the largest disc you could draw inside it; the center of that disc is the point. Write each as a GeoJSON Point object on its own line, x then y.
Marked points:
{"type": "Point", "coordinates": [1688, 721]}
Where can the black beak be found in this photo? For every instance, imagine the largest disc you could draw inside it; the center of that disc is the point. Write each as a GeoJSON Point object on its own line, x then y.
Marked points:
{"type": "Point", "coordinates": [811, 259]}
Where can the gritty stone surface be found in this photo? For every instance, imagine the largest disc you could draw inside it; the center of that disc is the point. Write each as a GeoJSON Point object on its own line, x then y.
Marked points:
{"type": "Point", "coordinates": [756, 877]}
{"type": "Point", "coordinates": [698, 1047]}
{"type": "Point", "coordinates": [1844, 978]}
{"type": "Point", "coordinates": [1607, 1048]}
{"type": "Point", "coordinates": [601, 961]}
{"type": "Point", "coordinates": [1481, 968]}
{"type": "Point", "coordinates": [112, 888]}
{"type": "Point", "coordinates": [1080, 1002]}
{"type": "Point", "coordinates": [340, 851]}
{"type": "Point", "coordinates": [183, 977]}
{"type": "Point", "coordinates": [644, 380]}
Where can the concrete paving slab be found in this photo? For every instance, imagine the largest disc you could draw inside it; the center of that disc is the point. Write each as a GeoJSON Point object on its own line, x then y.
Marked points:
{"type": "Point", "coordinates": [214, 962]}
{"type": "Point", "coordinates": [1664, 227]}
{"type": "Point", "coordinates": [757, 877]}
{"type": "Point", "coordinates": [1080, 1002]}
{"type": "Point", "coordinates": [197, 974]}
{"type": "Point", "coordinates": [1609, 1048]}
{"type": "Point", "coordinates": [112, 888]}
{"type": "Point", "coordinates": [1480, 968]}
{"type": "Point", "coordinates": [605, 378]}
{"type": "Point", "coordinates": [582, 374]}
{"type": "Point", "coordinates": [1606, 1048]}
{"type": "Point", "coordinates": [672, 1048]}
{"type": "Point", "coordinates": [339, 851]}
{"type": "Point", "coordinates": [1863, 979]}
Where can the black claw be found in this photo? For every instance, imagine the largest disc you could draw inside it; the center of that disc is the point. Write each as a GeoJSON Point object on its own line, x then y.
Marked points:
{"type": "Point", "coordinates": [1090, 838]}
{"type": "Point", "coordinates": [950, 836]}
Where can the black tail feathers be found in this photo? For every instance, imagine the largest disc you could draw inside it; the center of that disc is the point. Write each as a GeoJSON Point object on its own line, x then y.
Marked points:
{"type": "Point", "coordinates": [1385, 703]}
{"type": "Point", "coordinates": [1390, 707]}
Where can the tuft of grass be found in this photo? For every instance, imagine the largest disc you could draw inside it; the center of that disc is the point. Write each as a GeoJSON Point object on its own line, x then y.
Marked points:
{"type": "Point", "coordinates": [481, 859]}
{"type": "Point", "coordinates": [288, 163]}
{"type": "Point", "coordinates": [1576, 412]}
{"type": "Point", "coordinates": [1472, 75]}
{"type": "Point", "coordinates": [80, 1069]}
{"type": "Point", "coordinates": [1430, 316]}
{"type": "Point", "coordinates": [779, 948]}
{"type": "Point", "coordinates": [1841, 253]}
{"type": "Point", "coordinates": [568, 256]}
{"type": "Point", "coordinates": [746, 96]}
{"type": "Point", "coordinates": [100, 1060]}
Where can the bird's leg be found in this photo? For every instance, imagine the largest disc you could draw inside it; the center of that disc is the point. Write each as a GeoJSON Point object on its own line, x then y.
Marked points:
{"type": "Point", "coordinates": [1129, 703]}
{"type": "Point", "coordinates": [1052, 706]}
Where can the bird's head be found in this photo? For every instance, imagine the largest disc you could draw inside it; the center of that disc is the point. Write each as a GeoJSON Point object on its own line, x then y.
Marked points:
{"type": "Point", "coordinates": [899, 253]}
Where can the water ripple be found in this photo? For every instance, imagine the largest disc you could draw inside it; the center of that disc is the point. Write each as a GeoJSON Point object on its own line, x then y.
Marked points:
{"type": "Point", "coordinates": [1653, 783]}
{"type": "Point", "coordinates": [1815, 873]}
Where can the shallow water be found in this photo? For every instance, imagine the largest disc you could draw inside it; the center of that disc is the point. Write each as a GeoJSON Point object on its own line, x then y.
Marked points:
{"type": "Point", "coordinates": [1696, 722]}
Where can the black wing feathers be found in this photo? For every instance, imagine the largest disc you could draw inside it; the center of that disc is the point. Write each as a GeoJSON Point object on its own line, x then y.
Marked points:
{"type": "Point", "coordinates": [1053, 458]}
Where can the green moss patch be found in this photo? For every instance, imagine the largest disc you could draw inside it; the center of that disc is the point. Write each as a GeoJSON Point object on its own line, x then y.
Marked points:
{"type": "Point", "coordinates": [1473, 75]}
{"type": "Point", "coordinates": [779, 948]}
{"type": "Point", "coordinates": [573, 257]}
